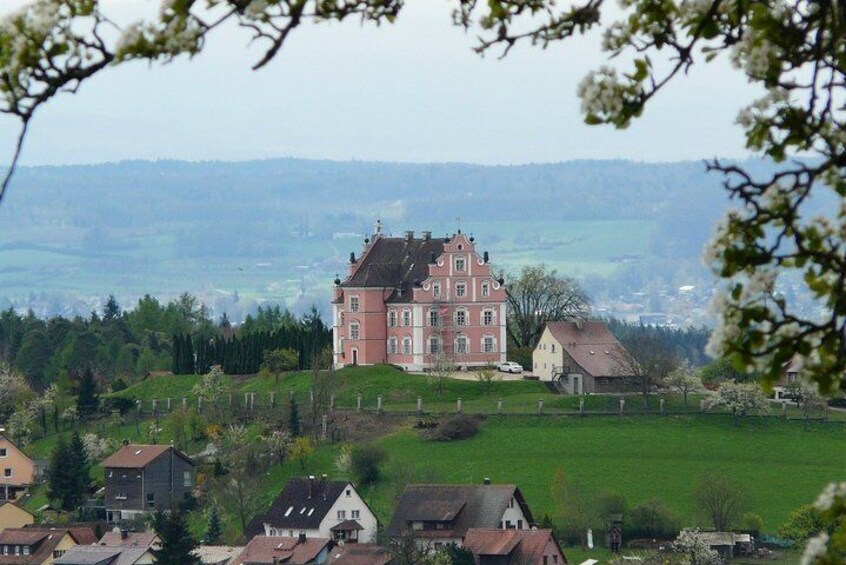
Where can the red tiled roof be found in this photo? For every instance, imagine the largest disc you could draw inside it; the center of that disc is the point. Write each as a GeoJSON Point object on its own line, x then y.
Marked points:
{"type": "Point", "coordinates": [136, 539]}
{"type": "Point", "coordinates": [359, 554]}
{"type": "Point", "coordinates": [591, 345]}
{"type": "Point", "coordinates": [137, 456]}
{"type": "Point", "coordinates": [524, 546]}
{"type": "Point", "coordinates": [264, 549]}
{"type": "Point", "coordinates": [41, 542]}
{"type": "Point", "coordinates": [83, 535]}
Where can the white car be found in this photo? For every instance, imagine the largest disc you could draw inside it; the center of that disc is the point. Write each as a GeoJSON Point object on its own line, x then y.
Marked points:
{"type": "Point", "coordinates": [510, 367]}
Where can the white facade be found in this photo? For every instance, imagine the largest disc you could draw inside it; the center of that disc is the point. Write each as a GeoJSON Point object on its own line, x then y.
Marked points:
{"type": "Point", "coordinates": [348, 506]}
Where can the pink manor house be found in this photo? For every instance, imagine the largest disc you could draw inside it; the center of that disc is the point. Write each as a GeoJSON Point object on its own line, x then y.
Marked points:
{"type": "Point", "coordinates": [409, 301]}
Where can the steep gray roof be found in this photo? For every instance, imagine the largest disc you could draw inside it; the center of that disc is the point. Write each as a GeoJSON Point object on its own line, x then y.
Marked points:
{"type": "Point", "coordinates": [470, 506]}
{"type": "Point", "coordinates": [301, 505]}
{"type": "Point", "coordinates": [396, 262]}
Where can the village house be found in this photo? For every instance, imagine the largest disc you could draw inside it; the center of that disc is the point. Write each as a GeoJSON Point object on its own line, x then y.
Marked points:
{"type": "Point", "coordinates": [514, 547]}
{"type": "Point", "coordinates": [105, 555]}
{"type": "Point", "coordinates": [217, 554]}
{"type": "Point", "coordinates": [437, 515]}
{"type": "Point", "coordinates": [39, 545]}
{"type": "Point", "coordinates": [18, 470]}
{"type": "Point", "coordinates": [582, 356]}
{"type": "Point", "coordinates": [273, 550]}
{"type": "Point", "coordinates": [124, 538]}
{"type": "Point", "coordinates": [414, 302]}
{"type": "Point", "coordinates": [360, 554]}
{"type": "Point", "coordinates": [317, 508]}
{"type": "Point", "coordinates": [145, 478]}
{"type": "Point", "coordinates": [13, 516]}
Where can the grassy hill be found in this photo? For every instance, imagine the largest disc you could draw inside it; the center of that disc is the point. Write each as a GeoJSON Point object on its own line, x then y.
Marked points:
{"type": "Point", "coordinates": [783, 463]}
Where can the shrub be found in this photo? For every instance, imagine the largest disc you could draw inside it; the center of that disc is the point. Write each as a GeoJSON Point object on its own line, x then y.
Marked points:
{"type": "Point", "coordinates": [365, 462]}
{"type": "Point", "coordinates": [804, 522]}
{"type": "Point", "coordinates": [652, 519]}
{"type": "Point", "coordinates": [456, 428]}
{"type": "Point", "coordinates": [117, 403]}
{"type": "Point", "coordinates": [521, 355]}
{"type": "Point", "coordinates": [753, 523]}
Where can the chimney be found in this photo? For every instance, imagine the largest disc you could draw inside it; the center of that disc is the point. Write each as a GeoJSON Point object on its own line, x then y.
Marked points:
{"type": "Point", "coordinates": [301, 538]}
{"type": "Point", "coordinates": [311, 491]}
{"type": "Point", "coordinates": [427, 235]}
{"type": "Point", "coordinates": [486, 481]}
{"type": "Point", "coordinates": [409, 235]}
{"type": "Point", "coordinates": [124, 534]}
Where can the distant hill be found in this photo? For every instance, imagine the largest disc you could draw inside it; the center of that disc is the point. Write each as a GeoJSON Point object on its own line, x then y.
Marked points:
{"type": "Point", "coordinates": [280, 229]}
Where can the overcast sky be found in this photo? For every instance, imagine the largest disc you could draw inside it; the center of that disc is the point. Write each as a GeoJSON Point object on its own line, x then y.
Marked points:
{"type": "Point", "coordinates": [413, 91]}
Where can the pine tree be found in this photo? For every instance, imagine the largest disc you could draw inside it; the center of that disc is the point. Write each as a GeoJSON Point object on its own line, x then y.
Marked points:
{"type": "Point", "coordinates": [176, 353]}
{"type": "Point", "coordinates": [88, 400]}
{"type": "Point", "coordinates": [215, 530]}
{"type": "Point", "coordinates": [177, 543]}
{"type": "Point", "coordinates": [294, 417]}
{"type": "Point", "coordinates": [80, 469]}
{"type": "Point", "coordinates": [188, 364]}
{"type": "Point", "coordinates": [60, 479]}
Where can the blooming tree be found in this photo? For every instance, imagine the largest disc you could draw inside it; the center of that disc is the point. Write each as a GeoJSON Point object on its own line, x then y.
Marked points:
{"type": "Point", "coordinates": [684, 380]}
{"type": "Point", "coordinates": [740, 399]}
{"type": "Point", "coordinates": [694, 550]}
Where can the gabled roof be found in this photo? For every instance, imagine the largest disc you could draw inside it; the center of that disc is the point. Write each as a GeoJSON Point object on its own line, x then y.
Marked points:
{"type": "Point", "coordinates": [464, 506]}
{"type": "Point", "coordinates": [42, 542]}
{"type": "Point", "coordinates": [101, 555]}
{"type": "Point", "coordinates": [272, 549]}
{"type": "Point", "coordinates": [359, 554]}
{"type": "Point", "coordinates": [302, 505]}
{"type": "Point", "coordinates": [134, 539]}
{"type": "Point", "coordinates": [590, 345]}
{"type": "Point", "coordinates": [138, 456]}
{"type": "Point", "coordinates": [396, 262]}
{"type": "Point", "coordinates": [217, 554]}
{"type": "Point", "coordinates": [347, 526]}
{"type": "Point", "coordinates": [522, 546]}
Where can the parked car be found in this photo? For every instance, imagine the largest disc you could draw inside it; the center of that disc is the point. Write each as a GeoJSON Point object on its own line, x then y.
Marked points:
{"type": "Point", "coordinates": [510, 367]}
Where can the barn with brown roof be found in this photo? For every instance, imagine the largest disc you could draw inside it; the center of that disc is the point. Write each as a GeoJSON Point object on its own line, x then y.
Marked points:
{"type": "Point", "coordinates": [271, 550]}
{"type": "Point", "coordinates": [514, 547]}
{"type": "Point", "coordinates": [360, 554]}
{"type": "Point", "coordinates": [583, 357]}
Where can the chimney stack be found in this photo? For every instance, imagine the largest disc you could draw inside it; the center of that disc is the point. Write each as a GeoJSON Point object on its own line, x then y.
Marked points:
{"type": "Point", "coordinates": [301, 538]}
{"type": "Point", "coordinates": [124, 534]}
{"type": "Point", "coordinates": [486, 481]}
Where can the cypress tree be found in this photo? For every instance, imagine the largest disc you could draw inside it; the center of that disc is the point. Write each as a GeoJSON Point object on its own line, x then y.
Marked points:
{"type": "Point", "coordinates": [189, 356]}
{"type": "Point", "coordinates": [60, 475]}
{"type": "Point", "coordinates": [177, 543]}
{"type": "Point", "coordinates": [176, 352]}
{"type": "Point", "coordinates": [294, 418]}
{"type": "Point", "coordinates": [214, 530]}
{"type": "Point", "coordinates": [80, 469]}
{"type": "Point", "coordinates": [88, 400]}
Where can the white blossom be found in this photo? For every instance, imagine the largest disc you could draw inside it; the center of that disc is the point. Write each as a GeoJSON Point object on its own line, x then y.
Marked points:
{"type": "Point", "coordinates": [830, 494]}
{"type": "Point", "coordinates": [816, 547]}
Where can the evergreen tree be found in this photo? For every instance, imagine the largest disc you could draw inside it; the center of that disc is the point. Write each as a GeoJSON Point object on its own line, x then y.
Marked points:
{"type": "Point", "coordinates": [80, 469]}
{"type": "Point", "coordinates": [112, 309]}
{"type": "Point", "coordinates": [188, 362]}
{"type": "Point", "coordinates": [294, 417]}
{"type": "Point", "coordinates": [177, 543]}
{"type": "Point", "coordinates": [215, 530]}
{"type": "Point", "coordinates": [88, 400]}
{"type": "Point", "coordinates": [176, 355]}
{"type": "Point", "coordinates": [60, 479]}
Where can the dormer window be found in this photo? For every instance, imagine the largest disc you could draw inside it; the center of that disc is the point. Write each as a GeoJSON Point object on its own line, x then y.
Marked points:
{"type": "Point", "coordinates": [460, 264]}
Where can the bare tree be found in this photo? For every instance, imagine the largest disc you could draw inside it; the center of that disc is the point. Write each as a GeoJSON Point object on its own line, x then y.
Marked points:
{"type": "Point", "coordinates": [721, 499]}
{"type": "Point", "coordinates": [539, 295]}
{"type": "Point", "coordinates": [646, 361]}
{"type": "Point", "coordinates": [442, 367]}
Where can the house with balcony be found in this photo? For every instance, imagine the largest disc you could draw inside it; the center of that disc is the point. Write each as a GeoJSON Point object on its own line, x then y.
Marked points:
{"type": "Point", "coordinates": [414, 301]}
{"type": "Point", "coordinates": [145, 478]}
{"type": "Point", "coordinates": [17, 470]}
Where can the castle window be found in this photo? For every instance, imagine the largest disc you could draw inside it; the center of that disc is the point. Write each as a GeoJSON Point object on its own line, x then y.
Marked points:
{"type": "Point", "coordinates": [353, 303]}
{"type": "Point", "coordinates": [460, 290]}
{"type": "Point", "coordinates": [461, 317]}
{"type": "Point", "coordinates": [487, 318]}
{"type": "Point", "coordinates": [486, 289]}
{"type": "Point", "coordinates": [392, 346]}
{"type": "Point", "coordinates": [488, 344]}
{"type": "Point", "coordinates": [436, 290]}
{"type": "Point", "coordinates": [406, 345]}
{"type": "Point", "coordinates": [460, 264]}
{"type": "Point", "coordinates": [392, 318]}
{"type": "Point", "coordinates": [461, 344]}
{"type": "Point", "coordinates": [406, 317]}
{"type": "Point", "coordinates": [434, 318]}
{"type": "Point", "coordinates": [434, 345]}
{"type": "Point", "coordinates": [355, 330]}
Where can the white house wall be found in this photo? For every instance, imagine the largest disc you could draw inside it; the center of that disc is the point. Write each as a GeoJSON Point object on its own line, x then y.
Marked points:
{"type": "Point", "coordinates": [354, 502]}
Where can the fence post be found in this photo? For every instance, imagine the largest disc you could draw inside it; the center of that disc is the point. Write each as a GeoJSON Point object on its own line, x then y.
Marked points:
{"type": "Point", "coordinates": [272, 399]}
{"type": "Point", "coordinates": [702, 405]}
{"type": "Point", "coordinates": [499, 406]}
{"type": "Point", "coordinates": [252, 400]}
{"type": "Point", "coordinates": [246, 399]}
{"type": "Point", "coordinates": [230, 400]}
{"type": "Point", "coordinates": [379, 404]}
{"type": "Point", "coordinates": [199, 404]}
{"type": "Point", "coordinates": [311, 399]}
{"type": "Point", "coordinates": [155, 402]}
{"type": "Point", "coordinates": [332, 402]}
{"type": "Point", "coordinates": [184, 403]}
{"type": "Point", "coordinates": [540, 406]}
{"type": "Point", "coordinates": [324, 423]}
{"type": "Point", "coordinates": [168, 404]}
{"type": "Point", "coordinates": [138, 408]}
{"type": "Point", "coordinates": [582, 406]}
{"type": "Point", "coordinates": [661, 405]}
{"type": "Point", "coordinates": [419, 405]}
{"type": "Point", "coordinates": [784, 409]}
{"type": "Point", "coordinates": [358, 403]}
{"type": "Point", "coordinates": [622, 405]}
{"type": "Point", "coordinates": [458, 406]}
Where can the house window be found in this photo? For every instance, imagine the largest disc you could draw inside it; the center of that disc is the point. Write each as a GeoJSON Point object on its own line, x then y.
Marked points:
{"type": "Point", "coordinates": [487, 318]}
{"type": "Point", "coordinates": [392, 346]}
{"type": "Point", "coordinates": [151, 500]}
{"type": "Point", "coordinates": [459, 263]}
{"type": "Point", "coordinates": [187, 482]}
{"type": "Point", "coordinates": [406, 345]}
{"type": "Point", "coordinates": [2, 452]}
{"type": "Point", "coordinates": [355, 330]}
{"type": "Point", "coordinates": [460, 290]}
{"type": "Point", "coordinates": [120, 496]}
{"type": "Point", "coordinates": [26, 550]}
{"type": "Point", "coordinates": [552, 348]}
{"type": "Point", "coordinates": [353, 303]}
{"type": "Point", "coordinates": [59, 552]}
{"type": "Point", "coordinates": [461, 344]}
{"type": "Point", "coordinates": [486, 289]}
{"type": "Point", "coordinates": [488, 344]}
{"type": "Point", "coordinates": [434, 345]}
{"type": "Point", "coordinates": [519, 524]}
{"type": "Point", "coordinates": [436, 290]}
{"type": "Point", "coordinates": [392, 318]}
{"type": "Point", "coordinates": [342, 514]}
{"type": "Point", "coordinates": [7, 472]}
{"type": "Point", "coordinates": [348, 493]}
{"type": "Point", "coordinates": [461, 317]}
{"type": "Point", "coordinates": [17, 550]}
{"type": "Point", "coordinates": [545, 560]}
{"type": "Point", "coordinates": [434, 318]}
{"type": "Point", "coordinates": [406, 317]}
{"type": "Point", "coordinates": [355, 514]}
